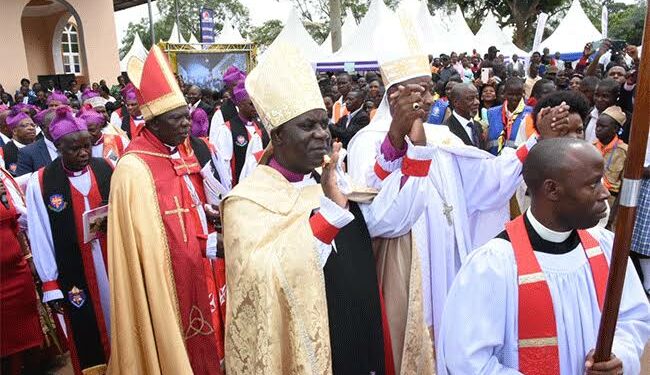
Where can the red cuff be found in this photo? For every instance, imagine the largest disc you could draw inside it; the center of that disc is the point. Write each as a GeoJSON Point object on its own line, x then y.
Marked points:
{"type": "Point", "coordinates": [322, 229]}
{"type": "Point", "coordinates": [415, 168]}
{"type": "Point", "coordinates": [380, 172]}
{"type": "Point", "coordinates": [522, 153]}
{"type": "Point", "coordinates": [49, 286]}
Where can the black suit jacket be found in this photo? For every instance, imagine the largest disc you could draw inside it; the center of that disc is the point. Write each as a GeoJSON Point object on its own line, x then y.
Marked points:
{"type": "Point", "coordinates": [459, 130]}
{"type": "Point", "coordinates": [344, 134]}
{"type": "Point", "coordinates": [32, 157]}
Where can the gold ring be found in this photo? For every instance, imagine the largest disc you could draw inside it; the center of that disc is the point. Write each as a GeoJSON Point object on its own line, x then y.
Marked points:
{"type": "Point", "coordinates": [416, 106]}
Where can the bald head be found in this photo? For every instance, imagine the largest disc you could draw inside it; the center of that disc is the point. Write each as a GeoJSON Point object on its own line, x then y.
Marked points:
{"type": "Point", "coordinates": [564, 177]}
{"type": "Point", "coordinates": [553, 159]}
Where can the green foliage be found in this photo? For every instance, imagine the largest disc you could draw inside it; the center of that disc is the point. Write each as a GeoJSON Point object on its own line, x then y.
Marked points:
{"type": "Point", "coordinates": [627, 24]}
{"type": "Point", "coordinates": [265, 34]}
{"type": "Point", "coordinates": [188, 17]}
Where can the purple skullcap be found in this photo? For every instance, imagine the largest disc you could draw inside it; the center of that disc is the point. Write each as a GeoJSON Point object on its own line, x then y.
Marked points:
{"type": "Point", "coordinates": [65, 123]}
{"type": "Point", "coordinates": [57, 96]}
{"type": "Point", "coordinates": [39, 118]}
{"type": "Point", "coordinates": [91, 116]}
{"type": "Point", "coordinates": [88, 93]}
{"type": "Point", "coordinates": [239, 93]}
{"type": "Point", "coordinates": [15, 118]}
{"type": "Point", "coordinates": [233, 75]}
{"type": "Point", "coordinates": [129, 92]}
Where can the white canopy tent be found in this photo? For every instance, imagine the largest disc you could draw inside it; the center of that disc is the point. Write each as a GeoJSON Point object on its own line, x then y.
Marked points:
{"type": "Point", "coordinates": [230, 35]}
{"type": "Point", "coordinates": [490, 34]}
{"type": "Point", "coordinates": [137, 50]}
{"type": "Point", "coordinates": [294, 32]}
{"type": "Point", "coordinates": [362, 45]}
{"type": "Point", "coordinates": [175, 37]}
{"type": "Point", "coordinates": [572, 33]}
{"type": "Point", "coordinates": [436, 38]}
{"type": "Point", "coordinates": [348, 29]}
{"type": "Point", "coordinates": [462, 36]}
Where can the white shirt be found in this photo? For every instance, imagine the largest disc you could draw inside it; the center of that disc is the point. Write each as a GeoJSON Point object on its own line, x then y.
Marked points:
{"type": "Point", "coordinates": [466, 124]}
{"type": "Point", "coordinates": [5, 139]}
{"type": "Point", "coordinates": [351, 115]}
{"type": "Point", "coordinates": [590, 131]}
{"type": "Point", "coordinates": [51, 149]}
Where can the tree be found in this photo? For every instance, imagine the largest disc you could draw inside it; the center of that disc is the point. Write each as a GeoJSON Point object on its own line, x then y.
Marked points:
{"type": "Point", "coordinates": [266, 34]}
{"type": "Point", "coordinates": [627, 24]}
{"type": "Point", "coordinates": [188, 17]}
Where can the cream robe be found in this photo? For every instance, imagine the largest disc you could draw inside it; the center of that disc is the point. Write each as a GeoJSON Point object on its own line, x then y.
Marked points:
{"type": "Point", "coordinates": [295, 339]}
{"type": "Point", "coordinates": [147, 338]}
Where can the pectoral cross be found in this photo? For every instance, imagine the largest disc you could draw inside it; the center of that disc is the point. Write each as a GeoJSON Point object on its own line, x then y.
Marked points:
{"type": "Point", "coordinates": [179, 211]}
{"type": "Point", "coordinates": [447, 209]}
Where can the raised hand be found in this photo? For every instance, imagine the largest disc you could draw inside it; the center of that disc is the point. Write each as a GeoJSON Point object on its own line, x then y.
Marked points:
{"type": "Point", "coordinates": [553, 122]}
{"type": "Point", "coordinates": [328, 177]}
{"type": "Point", "coordinates": [406, 106]}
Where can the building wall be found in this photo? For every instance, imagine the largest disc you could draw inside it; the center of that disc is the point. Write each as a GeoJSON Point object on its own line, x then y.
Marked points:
{"type": "Point", "coordinates": [37, 36]}
{"type": "Point", "coordinates": [98, 37]}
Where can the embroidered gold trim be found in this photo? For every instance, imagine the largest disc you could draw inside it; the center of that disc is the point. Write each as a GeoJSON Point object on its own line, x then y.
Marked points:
{"type": "Point", "coordinates": [538, 343]}
{"type": "Point", "coordinates": [405, 68]}
{"type": "Point", "coordinates": [594, 251]}
{"type": "Point", "coordinates": [95, 370]}
{"type": "Point", "coordinates": [161, 226]}
{"type": "Point", "coordinates": [197, 324]}
{"type": "Point", "coordinates": [179, 211]}
{"type": "Point", "coordinates": [149, 153]}
{"type": "Point", "coordinates": [162, 105]}
{"type": "Point", "coordinates": [531, 278]}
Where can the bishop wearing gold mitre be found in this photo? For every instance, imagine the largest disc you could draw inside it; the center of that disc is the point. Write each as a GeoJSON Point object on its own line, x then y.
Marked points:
{"type": "Point", "coordinates": [161, 240]}
{"type": "Point", "coordinates": [303, 294]}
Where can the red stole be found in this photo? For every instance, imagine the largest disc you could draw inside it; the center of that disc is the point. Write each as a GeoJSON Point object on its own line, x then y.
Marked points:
{"type": "Point", "coordinates": [112, 142]}
{"type": "Point", "coordinates": [538, 350]}
{"type": "Point", "coordinates": [186, 243]}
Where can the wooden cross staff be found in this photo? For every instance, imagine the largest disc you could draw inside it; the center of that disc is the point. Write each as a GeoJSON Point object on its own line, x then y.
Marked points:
{"type": "Point", "coordinates": [627, 202]}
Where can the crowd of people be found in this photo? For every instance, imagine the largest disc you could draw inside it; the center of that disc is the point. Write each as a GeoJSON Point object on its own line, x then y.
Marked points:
{"type": "Point", "coordinates": [346, 223]}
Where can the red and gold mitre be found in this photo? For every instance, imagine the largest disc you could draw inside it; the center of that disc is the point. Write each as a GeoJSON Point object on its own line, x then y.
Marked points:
{"type": "Point", "coordinates": [158, 91]}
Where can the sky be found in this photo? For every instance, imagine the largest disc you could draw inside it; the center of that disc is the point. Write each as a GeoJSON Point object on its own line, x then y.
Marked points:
{"type": "Point", "coordinates": [260, 12]}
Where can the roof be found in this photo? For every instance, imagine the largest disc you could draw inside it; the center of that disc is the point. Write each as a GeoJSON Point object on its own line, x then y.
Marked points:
{"type": "Point", "coordinates": [124, 4]}
{"type": "Point", "coordinates": [137, 50]}
{"type": "Point", "coordinates": [490, 34]}
{"type": "Point", "coordinates": [573, 32]}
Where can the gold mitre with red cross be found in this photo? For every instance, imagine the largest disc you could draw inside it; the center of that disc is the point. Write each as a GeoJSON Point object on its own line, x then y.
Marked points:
{"type": "Point", "coordinates": [404, 57]}
{"type": "Point", "coordinates": [158, 90]}
{"type": "Point", "coordinates": [283, 85]}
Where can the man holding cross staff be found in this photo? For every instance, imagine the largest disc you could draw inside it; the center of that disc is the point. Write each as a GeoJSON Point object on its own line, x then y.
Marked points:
{"type": "Point", "coordinates": [556, 294]}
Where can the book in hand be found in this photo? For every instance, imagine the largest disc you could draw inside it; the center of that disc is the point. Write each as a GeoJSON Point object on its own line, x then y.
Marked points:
{"type": "Point", "coordinates": [94, 222]}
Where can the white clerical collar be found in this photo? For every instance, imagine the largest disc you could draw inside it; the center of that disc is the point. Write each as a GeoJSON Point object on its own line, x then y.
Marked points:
{"type": "Point", "coordinates": [546, 233]}
{"type": "Point", "coordinates": [463, 121]}
{"type": "Point", "coordinates": [18, 144]}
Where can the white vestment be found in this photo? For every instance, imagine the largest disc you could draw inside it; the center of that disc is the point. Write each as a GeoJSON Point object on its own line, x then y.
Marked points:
{"type": "Point", "coordinates": [475, 183]}
{"type": "Point", "coordinates": [480, 323]}
{"type": "Point", "coordinates": [40, 236]}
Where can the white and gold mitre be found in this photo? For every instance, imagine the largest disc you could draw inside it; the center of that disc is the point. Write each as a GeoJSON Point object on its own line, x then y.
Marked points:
{"type": "Point", "coordinates": [403, 57]}
{"type": "Point", "coordinates": [283, 86]}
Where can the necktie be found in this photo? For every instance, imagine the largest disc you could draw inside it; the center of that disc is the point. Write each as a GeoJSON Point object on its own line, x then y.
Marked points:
{"type": "Point", "coordinates": [474, 132]}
